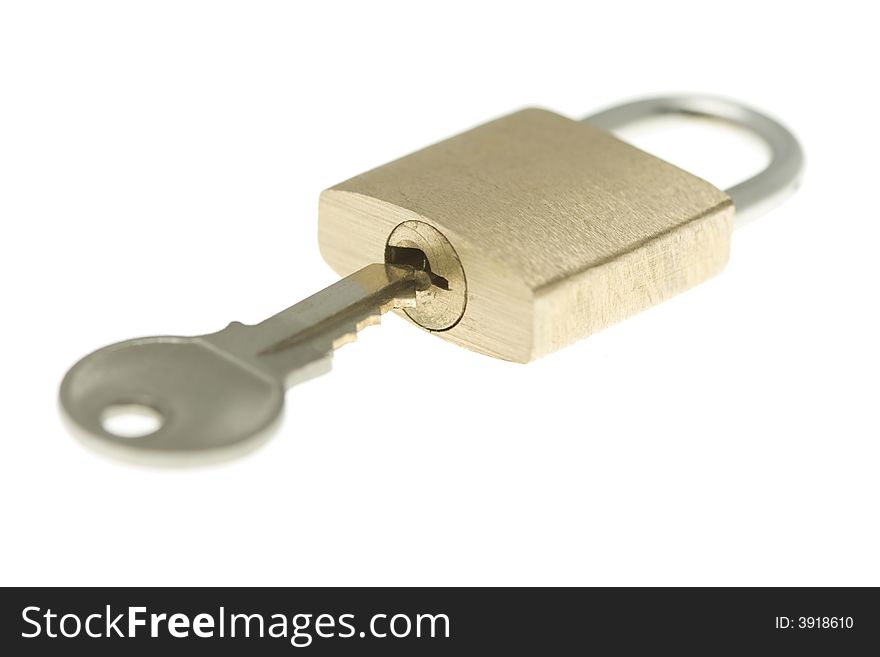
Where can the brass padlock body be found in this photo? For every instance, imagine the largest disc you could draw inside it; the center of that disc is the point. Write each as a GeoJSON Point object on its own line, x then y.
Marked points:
{"type": "Point", "coordinates": [560, 229]}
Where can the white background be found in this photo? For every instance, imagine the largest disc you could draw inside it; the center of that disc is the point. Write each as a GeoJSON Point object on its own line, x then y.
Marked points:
{"type": "Point", "coordinates": [160, 165]}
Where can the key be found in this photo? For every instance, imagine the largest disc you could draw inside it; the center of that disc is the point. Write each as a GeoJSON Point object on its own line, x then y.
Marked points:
{"type": "Point", "coordinates": [219, 395]}
{"type": "Point", "coordinates": [513, 239]}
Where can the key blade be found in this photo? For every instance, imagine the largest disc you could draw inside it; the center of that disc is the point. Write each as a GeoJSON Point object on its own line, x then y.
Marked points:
{"type": "Point", "coordinates": [298, 343]}
{"type": "Point", "coordinates": [341, 310]}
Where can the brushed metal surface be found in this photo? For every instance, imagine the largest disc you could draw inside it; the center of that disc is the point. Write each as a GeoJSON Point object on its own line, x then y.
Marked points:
{"type": "Point", "coordinates": [757, 194]}
{"type": "Point", "coordinates": [561, 228]}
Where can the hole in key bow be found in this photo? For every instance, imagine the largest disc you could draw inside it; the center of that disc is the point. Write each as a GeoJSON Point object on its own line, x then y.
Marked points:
{"type": "Point", "coordinates": [131, 420]}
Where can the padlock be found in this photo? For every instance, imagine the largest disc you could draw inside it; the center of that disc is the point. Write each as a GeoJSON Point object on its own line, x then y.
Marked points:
{"type": "Point", "coordinates": [540, 229]}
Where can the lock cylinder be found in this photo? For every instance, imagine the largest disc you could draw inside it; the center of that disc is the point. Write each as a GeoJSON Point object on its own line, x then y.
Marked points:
{"type": "Point", "coordinates": [420, 245]}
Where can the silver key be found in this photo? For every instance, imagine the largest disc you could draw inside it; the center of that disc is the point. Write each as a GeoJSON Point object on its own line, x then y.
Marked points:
{"type": "Point", "coordinates": [220, 394]}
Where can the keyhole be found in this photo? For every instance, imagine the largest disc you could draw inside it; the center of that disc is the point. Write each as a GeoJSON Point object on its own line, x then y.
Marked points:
{"type": "Point", "coordinates": [416, 258]}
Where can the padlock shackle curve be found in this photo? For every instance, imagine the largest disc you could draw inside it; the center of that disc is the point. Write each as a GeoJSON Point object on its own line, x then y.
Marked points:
{"type": "Point", "coordinates": [752, 197]}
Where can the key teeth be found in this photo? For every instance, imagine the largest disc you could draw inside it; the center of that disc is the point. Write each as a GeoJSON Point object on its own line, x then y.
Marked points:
{"type": "Point", "coordinates": [344, 340]}
{"type": "Point", "coordinates": [372, 320]}
{"type": "Point", "coordinates": [351, 336]}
